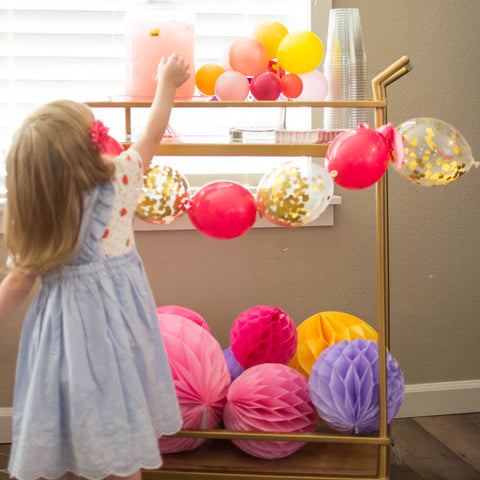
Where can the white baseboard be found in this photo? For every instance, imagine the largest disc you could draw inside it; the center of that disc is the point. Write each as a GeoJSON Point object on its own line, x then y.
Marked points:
{"type": "Point", "coordinates": [444, 398]}
{"type": "Point", "coordinates": [424, 399]}
{"type": "Point", "coordinates": [6, 425]}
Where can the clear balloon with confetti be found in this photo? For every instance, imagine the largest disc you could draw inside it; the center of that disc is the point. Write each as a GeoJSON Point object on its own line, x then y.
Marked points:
{"type": "Point", "coordinates": [436, 153]}
{"type": "Point", "coordinates": [165, 195]}
{"type": "Point", "coordinates": [295, 193]}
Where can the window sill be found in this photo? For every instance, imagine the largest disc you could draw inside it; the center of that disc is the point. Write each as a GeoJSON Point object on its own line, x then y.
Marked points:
{"type": "Point", "coordinates": [326, 219]}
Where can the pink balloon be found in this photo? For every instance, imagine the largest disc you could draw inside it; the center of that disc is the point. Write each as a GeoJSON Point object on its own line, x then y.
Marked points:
{"type": "Point", "coordinates": [263, 334]}
{"type": "Point", "coordinates": [270, 397]}
{"type": "Point", "coordinates": [223, 210]}
{"type": "Point", "coordinates": [358, 157]}
{"type": "Point", "coordinates": [315, 87]}
{"type": "Point", "coordinates": [266, 86]}
{"type": "Point", "coordinates": [200, 375]}
{"type": "Point", "coordinates": [232, 87]}
{"type": "Point", "coordinates": [184, 313]}
{"type": "Point", "coordinates": [248, 55]}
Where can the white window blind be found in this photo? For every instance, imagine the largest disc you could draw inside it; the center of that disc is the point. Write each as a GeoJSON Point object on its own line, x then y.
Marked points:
{"type": "Point", "coordinates": [52, 49]}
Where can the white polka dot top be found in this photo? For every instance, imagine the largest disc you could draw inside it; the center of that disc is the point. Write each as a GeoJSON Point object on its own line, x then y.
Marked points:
{"type": "Point", "coordinates": [128, 181]}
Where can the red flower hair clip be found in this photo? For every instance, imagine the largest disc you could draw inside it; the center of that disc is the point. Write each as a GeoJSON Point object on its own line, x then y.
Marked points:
{"type": "Point", "coordinates": [102, 141]}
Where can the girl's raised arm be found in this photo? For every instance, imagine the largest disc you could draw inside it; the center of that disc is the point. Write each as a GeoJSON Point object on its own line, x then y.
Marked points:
{"type": "Point", "coordinates": [172, 73]}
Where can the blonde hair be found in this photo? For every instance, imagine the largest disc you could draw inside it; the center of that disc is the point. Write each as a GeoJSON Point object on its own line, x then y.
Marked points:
{"type": "Point", "coordinates": [51, 163]}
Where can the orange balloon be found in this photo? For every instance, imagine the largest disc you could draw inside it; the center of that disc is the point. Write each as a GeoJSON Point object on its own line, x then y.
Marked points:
{"type": "Point", "coordinates": [271, 34]}
{"type": "Point", "coordinates": [248, 55]}
{"type": "Point", "coordinates": [206, 77]}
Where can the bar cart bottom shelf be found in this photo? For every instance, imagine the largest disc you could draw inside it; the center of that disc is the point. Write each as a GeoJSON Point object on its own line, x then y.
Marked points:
{"type": "Point", "coordinates": [217, 459]}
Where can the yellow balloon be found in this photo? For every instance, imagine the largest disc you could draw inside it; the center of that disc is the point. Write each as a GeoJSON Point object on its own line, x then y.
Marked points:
{"type": "Point", "coordinates": [322, 330]}
{"type": "Point", "coordinates": [271, 34]}
{"type": "Point", "coordinates": [300, 52]}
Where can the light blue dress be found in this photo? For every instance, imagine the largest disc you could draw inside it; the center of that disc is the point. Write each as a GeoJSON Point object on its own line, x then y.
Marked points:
{"type": "Point", "coordinates": [93, 389]}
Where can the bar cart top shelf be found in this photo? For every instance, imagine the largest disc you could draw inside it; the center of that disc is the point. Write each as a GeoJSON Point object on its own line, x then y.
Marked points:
{"type": "Point", "coordinates": [222, 146]}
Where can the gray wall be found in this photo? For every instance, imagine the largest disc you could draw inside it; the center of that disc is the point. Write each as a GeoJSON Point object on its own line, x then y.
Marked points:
{"type": "Point", "coordinates": [434, 262]}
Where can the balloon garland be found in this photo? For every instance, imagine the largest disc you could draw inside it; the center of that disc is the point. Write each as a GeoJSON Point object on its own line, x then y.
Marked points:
{"type": "Point", "coordinates": [293, 194]}
{"type": "Point", "coordinates": [426, 151]}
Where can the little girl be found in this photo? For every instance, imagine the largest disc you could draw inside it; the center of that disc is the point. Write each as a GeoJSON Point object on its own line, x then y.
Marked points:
{"type": "Point", "coordinates": [93, 390]}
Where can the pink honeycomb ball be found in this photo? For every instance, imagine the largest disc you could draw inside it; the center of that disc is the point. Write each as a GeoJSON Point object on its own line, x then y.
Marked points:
{"type": "Point", "coordinates": [263, 334]}
{"type": "Point", "coordinates": [271, 398]}
{"type": "Point", "coordinates": [185, 313]}
{"type": "Point", "coordinates": [200, 375]}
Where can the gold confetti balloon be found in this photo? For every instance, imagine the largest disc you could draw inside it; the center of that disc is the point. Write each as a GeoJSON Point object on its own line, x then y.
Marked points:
{"type": "Point", "coordinates": [165, 195]}
{"type": "Point", "coordinates": [322, 330]}
{"type": "Point", "coordinates": [294, 193]}
{"type": "Point", "coordinates": [435, 152]}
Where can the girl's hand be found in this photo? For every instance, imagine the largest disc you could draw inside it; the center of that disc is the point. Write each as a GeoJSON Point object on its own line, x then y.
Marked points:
{"type": "Point", "coordinates": [172, 73]}
{"type": "Point", "coordinates": [173, 70]}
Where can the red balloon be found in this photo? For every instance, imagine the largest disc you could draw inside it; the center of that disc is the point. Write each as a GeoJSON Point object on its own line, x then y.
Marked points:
{"type": "Point", "coordinates": [292, 85]}
{"type": "Point", "coordinates": [358, 157]}
{"type": "Point", "coordinates": [223, 210]}
{"type": "Point", "coordinates": [266, 86]}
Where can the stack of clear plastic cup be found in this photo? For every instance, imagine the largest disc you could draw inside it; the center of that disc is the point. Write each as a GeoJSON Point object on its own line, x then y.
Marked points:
{"type": "Point", "coordinates": [345, 68]}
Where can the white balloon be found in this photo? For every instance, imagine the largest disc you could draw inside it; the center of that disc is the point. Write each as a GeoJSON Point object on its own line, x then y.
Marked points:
{"type": "Point", "coordinates": [315, 87]}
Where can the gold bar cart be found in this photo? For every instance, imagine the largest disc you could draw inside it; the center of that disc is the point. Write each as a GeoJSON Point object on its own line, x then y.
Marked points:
{"type": "Point", "coordinates": [326, 455]}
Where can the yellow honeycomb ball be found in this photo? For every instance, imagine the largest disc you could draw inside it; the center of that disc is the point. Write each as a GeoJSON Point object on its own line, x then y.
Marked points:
{"type": "Point", "coordinates": [322, 330]}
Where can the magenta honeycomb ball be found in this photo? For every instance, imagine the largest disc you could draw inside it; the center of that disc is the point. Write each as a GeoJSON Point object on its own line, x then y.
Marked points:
{"type": "Point", "coordinates": [263, 334]}
{"type": "Point", "coordinates": [270, 398]}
